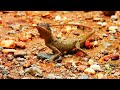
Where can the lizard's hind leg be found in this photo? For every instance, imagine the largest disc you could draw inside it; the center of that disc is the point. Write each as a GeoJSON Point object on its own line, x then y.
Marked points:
{"type": "Point", "coordinates": [78, 47]}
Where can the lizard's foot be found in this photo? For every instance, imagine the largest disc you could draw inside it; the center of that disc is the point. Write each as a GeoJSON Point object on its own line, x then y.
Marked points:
{"type": "Point", "coordinates": [56, 59]}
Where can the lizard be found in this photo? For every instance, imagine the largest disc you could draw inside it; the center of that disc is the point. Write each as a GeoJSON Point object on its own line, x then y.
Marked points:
{"type": "Point", "coordinates": [59, 46]}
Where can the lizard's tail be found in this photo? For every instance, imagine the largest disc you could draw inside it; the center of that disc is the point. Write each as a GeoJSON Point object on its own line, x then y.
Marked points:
{"type": "Point", "coordinates": [90, 34]}
{"type": "Point", "coordinates": [86, 37]}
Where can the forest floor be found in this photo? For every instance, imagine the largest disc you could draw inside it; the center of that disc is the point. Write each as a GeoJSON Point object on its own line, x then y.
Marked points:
{"type": "Point", "coordinates": [20, 44]}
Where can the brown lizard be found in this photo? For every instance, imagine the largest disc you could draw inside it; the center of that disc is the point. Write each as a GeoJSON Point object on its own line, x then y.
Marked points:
{"type": "Point", "coordinates": [59, 46]}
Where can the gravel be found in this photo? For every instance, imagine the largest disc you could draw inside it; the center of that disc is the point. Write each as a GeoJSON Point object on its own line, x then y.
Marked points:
{"type": "Point", "coordinates": [95, 67]}
{"type": "Point", "coordinates": [5, 72]}
{"type": "Point", "coordinates": [20, 59]}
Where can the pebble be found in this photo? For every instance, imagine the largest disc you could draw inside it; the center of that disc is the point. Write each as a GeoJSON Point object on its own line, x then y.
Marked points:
{"type": "Point", "coordinates": [105, 52]}
{"type": "Point", "coordinates": [114, 18]}
{"type": "Point", "coordinates": [19, 53]}
{"type": "Point", "coordinates": [33, 70]}
{"type": "Point", "coordinates": [81, 67]}
{"type": "Point", "coordinates": [113, 29]}
{"type": "Point", "coordinates": [116, 74]}
{"type": "Point", "coordinates": [99, 23]}
{"type": "Point", "coordinates": [84, 77]}
{"type": "Point", "coordinates": [9, 50]}
{"type": "Point", "coordinates": [21, 72]}
{"type": "Point", "coordinates": [99, 75]}
{"type": "Point", "coordinates": [53, 76]}
{"type": "Point", "coordinates": [1, 48]}
{"type": "Point", "coordinates": [102, 23]}
{"type": "Point", "coordinates": [112, 38]}
{"type": "Point", "coordinates": [104, 35]}
{"type": "Point", "coordinates": [114, 56]}
{"type": "Point", "coordinates": [106, 58]}
{"type": "Point", "coordinates": [8, 43]}
{"type": "Point", "coordinates": [20, 59]}
{"type": "Point", "coordinates": [2, 67]}
{"type": "Point", "coordinates": [10, 57]}
{"type": "Point", "coordinates": [85, 58]}
{"type": "Point", "coordinates": [106, 44]}
{"type": "Point", "coordinates": [95, 43]}
{"type": "Point", "coordinates": [96, 19]}
{"type": "Point", "coordinates": [11, 32]}
{"type": "Point", "coordinates": [4, 71]}
{"type": "Point", "coordinates": [89, 71]}
{"type": "Point", "coordinates": [43, 56]}
{"type": "Point", "coordinates": [95, 67]}
{"type": "Point", "coordinates": [112, 32]}
{"type": "Point", "coordinates": [58, 65]}
{"type": "Point", "coordinates": [107, 66]}
{"type": "Point", "coordinates": [58, 17]}
{"type": "Point", "coordinates": [14, 26]}
{"type": "Point", "coordinates": [20, 44]}
{"type": "Point", "coordinates": [118, 30]}
{"type": "Point", "coordinates": [91, 62]}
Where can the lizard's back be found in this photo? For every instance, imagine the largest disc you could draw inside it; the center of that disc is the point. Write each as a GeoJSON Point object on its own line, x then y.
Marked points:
{"type": "Point", "coordinates": [64, 45]}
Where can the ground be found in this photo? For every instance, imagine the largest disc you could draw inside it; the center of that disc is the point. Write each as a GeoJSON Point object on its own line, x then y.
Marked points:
{"type": "Point", "coordinates": [20, 44]}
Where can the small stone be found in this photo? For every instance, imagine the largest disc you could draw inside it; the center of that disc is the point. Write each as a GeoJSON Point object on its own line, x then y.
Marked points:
{"type": "Point", "coordinates": [114, 56]}
{"type": "Point", "coordinates": [104, 24]}
{"type": "Point", "coordinates": [21, 72]}
{"type": "Point", "coordinates": [43, 56]}
{"type": "Point", "coordinates": [118, 30]}
{"type": "Point", "coordinates": [8, 43]}
{"type": "Point", "coordinates": [106, 44]}
{"type": "Point", "coordinates": [107, 66]}
{"type": "Point", "coordinates": [104, 35]}
{"type": "Point", "coordinates": [58, 65]}
{"type": "Point", "coordinates": [20, 53]}
{"type": "Point", "coordinates": [86, 59]}
{"type": "Point", "coordinates": [4, 71]}
{"type": "Point", "coordinates": [89, 71]}
{"type": "Point", "coordinates": [113, 28]}
{"type": "Point", "coordinates": [105, 52]}
{"type": "Point", "coordinates": [20, 44]}
{"type": "Point", "coordinates": [58, 17]}
{"type": "Point", "coordinates": [1, 48]}
{"type": "Point", "coordinates": [116, 74]}
{"type": "Point", "coordinates": [95, 67]}
{"type": "Point", "coordinates": [96, 19]}
{"type": "Point", "coordinates": [95, 43]}
{"type": "Point", "coordinates": [20, 59]}
{"type": "Point", "coordinates": [33, 70]}
{"type": "Point", "coordinates": [112, 38]}
{"type": "Point", "coordinates": [91, 62]}
{"type": "Point", "coordinates": [52, 76]}
{"type": "Point", "coordinates": [112, 32]}
{"type": "Point", "coordinates": [114, 18]}
{"type": "Point", "coordinates": [2, 67]}
{"type": "Point", "coordinates": [106, 58]}
{"type": "Point", "coordinates": [11, 32]}
{"type": "Point", "coordinates": [10, 57]}
{"type": "Point", "coordinates": [84, 77]}
{"type": "Point", "coordinates": [8, 51]}
{"type": "Point", "coordinates": [99, 75]}
{"type": "Point", "coordinates": [81, 67]}
{"type": "Point", "coordinates": [99, 23]}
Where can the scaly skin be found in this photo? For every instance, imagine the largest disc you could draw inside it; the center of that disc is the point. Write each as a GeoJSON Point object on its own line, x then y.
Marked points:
{"type": "Point", "coordinates": [59, 46]}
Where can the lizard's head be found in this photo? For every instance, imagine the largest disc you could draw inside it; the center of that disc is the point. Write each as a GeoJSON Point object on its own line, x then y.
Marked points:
{"type": "Point", "coordinates": [44, 30]}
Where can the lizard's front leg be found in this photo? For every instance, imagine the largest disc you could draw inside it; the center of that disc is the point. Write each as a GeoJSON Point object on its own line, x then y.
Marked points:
{"type": "Point", "coordinates": [57, 52]}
